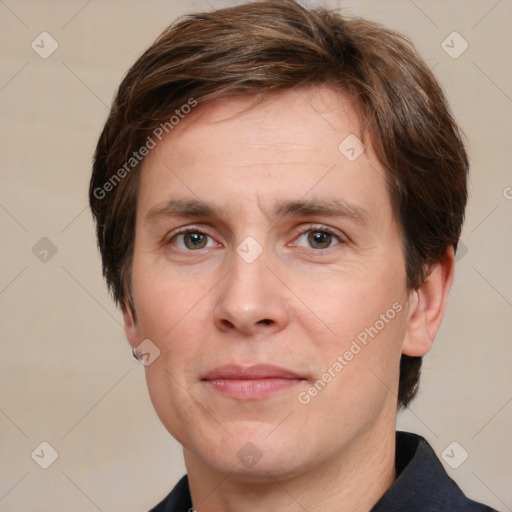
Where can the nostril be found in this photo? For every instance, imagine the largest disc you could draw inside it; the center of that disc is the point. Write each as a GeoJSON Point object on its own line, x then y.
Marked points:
{"type": "Point", "coordinates": [265, 321]}
{"type": "Point", "coordinates": [227, 323]}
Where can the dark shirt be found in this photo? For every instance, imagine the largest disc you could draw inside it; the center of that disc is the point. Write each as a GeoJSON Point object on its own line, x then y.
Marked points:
{"type": "Point", "coordinates": [421, 485]}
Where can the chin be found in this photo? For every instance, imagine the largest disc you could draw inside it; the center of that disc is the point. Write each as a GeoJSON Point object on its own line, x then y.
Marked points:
{"type": "Point", "coordinates": [272, 467]}
{"type": "Point", "coordinates": [250, 454]}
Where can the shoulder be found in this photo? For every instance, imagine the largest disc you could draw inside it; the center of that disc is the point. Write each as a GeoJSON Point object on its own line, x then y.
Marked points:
{"type": "Point", "coordinates": [178, 500]}
{"type": "Point", "coordinates": [422, 484]}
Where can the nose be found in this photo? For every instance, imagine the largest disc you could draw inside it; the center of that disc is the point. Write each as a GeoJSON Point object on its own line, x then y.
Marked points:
{"type": "Point", "coordinates": [250, 300]}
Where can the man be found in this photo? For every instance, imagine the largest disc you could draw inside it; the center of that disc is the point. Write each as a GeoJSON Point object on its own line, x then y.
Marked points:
{"type": "Point", "coordinates": [278, 194]}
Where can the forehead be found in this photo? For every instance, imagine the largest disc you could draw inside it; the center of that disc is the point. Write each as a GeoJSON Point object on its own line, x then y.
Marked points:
{"type": "Point", "coordinates": [299, 122]}
{"type": "Point", "coordinates": [289, 143]}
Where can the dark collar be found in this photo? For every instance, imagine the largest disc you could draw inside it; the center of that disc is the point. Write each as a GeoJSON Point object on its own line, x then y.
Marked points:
{"type": "Point", "coordinates": [421, 485]}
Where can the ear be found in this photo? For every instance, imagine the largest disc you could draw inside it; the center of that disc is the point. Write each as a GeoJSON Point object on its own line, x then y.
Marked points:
{"type": "Point", "coordinates": [426, 307]}
{"type": "Point", "coordinates": [131, 329]}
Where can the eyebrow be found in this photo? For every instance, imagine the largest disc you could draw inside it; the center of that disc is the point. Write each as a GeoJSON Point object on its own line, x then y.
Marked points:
{"type": "Point", "coordinates": [328, 206]}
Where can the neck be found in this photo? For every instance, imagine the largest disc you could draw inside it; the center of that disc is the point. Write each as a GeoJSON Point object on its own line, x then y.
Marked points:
{"type": "Point", "coordinates": [352, 481]}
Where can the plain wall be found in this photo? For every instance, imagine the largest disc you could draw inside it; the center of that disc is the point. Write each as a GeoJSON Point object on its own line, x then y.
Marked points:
{"type": "Point", "coordinates": [67, 376]}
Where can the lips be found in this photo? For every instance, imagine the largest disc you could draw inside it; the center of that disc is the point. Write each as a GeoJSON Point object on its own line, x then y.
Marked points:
{"type": "Point", "coordinates": [257, 371]}
{"type": "Point", "coordinates": [251, 382]}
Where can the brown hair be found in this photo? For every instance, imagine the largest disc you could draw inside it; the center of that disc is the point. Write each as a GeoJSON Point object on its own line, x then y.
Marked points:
{"type": "Point", "coordinates": [263, 46]}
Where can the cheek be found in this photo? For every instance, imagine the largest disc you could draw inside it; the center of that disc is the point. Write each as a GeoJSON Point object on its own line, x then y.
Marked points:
{"type": "Point", "coordinates": [357, 330]}
{"type": "Point", "coordinates": [343, 306]}
{"type": "Point", "coordinates": [170, 400]}
{"type": "Point", "coordinates": [164, 302]}
{"type": "Point", "coordinates": [360, 369]}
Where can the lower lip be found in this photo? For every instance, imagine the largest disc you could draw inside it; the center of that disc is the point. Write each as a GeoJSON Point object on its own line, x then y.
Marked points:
{"type": "Point", "coordinates": [252, 389]}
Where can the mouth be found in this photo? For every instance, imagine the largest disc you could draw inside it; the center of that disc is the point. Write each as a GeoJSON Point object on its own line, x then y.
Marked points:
{"type": "Point", "coordinates": [251, 382]}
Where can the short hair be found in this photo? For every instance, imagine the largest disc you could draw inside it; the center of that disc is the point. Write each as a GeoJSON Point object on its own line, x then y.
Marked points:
{"type": "Point", "coordinates": [260, 47]}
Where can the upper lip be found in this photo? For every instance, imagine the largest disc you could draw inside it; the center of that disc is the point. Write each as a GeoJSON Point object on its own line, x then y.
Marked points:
{"type": "Point", "coordinates": [257, 371]}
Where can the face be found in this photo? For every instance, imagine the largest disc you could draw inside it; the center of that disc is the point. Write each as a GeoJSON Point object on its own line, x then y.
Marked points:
{"type": "Point", "coordinates": [268, 270]}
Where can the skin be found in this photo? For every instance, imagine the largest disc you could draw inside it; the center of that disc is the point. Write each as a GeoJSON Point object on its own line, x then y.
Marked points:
{"type": "Point", "coordinates": [299, 304]}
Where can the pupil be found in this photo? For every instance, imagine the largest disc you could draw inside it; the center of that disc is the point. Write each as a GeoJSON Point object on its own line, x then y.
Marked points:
{"type": "Point", "coordinates": [320, 238]}
{"type": "Point", "coordinates": [196, 239]}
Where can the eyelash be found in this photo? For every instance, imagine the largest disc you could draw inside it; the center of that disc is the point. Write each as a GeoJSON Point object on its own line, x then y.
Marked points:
{"type": "Point", "coordinates": [322, 229]}
{"type": "Point", "coordinates": [303, 231]}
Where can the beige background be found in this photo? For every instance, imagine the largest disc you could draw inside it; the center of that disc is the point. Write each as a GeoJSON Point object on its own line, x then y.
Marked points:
{"type": "Point", "coordinates": [66, 373]}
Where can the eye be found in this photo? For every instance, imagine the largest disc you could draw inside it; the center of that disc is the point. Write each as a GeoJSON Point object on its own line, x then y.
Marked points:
{"type": "Point", "coordinates": [319, 238]}
{"type": "Point", "coordinates": [191, 240]}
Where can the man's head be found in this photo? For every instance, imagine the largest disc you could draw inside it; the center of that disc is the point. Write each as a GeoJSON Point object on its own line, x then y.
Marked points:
{"type": "Point", "coordinates": [261, 110]}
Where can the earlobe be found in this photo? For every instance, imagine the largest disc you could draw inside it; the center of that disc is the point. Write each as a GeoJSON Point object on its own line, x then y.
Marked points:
{"type": "Point", "coordinates": [130, 326]}
{"type": "Point", "coordinates": [427, 305]}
